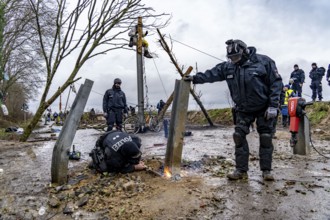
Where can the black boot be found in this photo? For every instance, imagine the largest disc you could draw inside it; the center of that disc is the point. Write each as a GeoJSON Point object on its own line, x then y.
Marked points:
{"type": "Point", "coordinates": [131, 43]}
{"type": "Point", "coordinates": [237, 174]}
{"type": "Point", "coordinates": [266, 174]}
{"type": "Point", "coordinates": [147, 54]}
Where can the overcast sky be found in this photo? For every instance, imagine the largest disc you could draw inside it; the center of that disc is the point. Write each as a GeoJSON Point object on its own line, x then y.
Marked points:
{"type": "Point", "coordinates": [289, 31]}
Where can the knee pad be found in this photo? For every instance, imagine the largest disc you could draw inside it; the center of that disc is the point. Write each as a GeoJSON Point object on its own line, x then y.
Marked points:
{"type": "Point", "coordinates": [266, 140]}
{"type": "Point", "coordinates": [238, 139]}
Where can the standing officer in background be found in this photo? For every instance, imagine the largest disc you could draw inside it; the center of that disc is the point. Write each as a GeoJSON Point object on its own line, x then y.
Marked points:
{"type": "Point", "coordinates": [297, 78]}
{"type": "Point", "coordinates": [114, 105]}
{"type": "Point", "coordinates": [160, 105]}
{"type": "Point", "coordinates": [328, 75]}
{"type": "Point", "coordinates": [255, 87]}
{"type": "Point", "coordinates": [316, 74]}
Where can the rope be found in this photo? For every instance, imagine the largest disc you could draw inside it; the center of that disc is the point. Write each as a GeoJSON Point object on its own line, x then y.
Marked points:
{"type": "Point", "coordinates": [146, 98]}
{"type": "Point", "coordinates": [311, 141]}
{"type": "Point", "coordinates": [134, 104]}
{"type": "Point", "coordinates": [198, 50]}
{"type": "Point", "coordinates": [160, 77]}
{"type": "Point", "coordinates": [191, 47]}
{"type": "Point", "coordinates": [306, 95]}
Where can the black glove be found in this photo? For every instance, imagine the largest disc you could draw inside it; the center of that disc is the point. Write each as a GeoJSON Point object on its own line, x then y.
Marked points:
{"type": "Point", "coordinates": [270, 113]}
{"type": "Point", "coordinates": [188, 78]}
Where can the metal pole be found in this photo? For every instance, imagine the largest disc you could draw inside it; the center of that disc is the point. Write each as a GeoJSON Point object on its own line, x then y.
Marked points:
{"type": "Point", "coordinates": [66, 104]}
{"type": "Point", "coordinates": [139, 61]}
{"type": "Point", "coordinates": [60, 157]}
{"type": "Point", "coordinates": [303, 136]}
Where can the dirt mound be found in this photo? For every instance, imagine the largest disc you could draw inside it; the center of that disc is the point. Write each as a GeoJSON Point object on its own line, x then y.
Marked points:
{"type": "Point", "coordinates": [218, 116]}
{"type": "Point", "coordinates": [139, 195]}
{"type": "Point", "coordinates": [319, 116]}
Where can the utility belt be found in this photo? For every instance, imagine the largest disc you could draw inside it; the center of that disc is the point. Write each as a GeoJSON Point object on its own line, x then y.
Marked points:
{"type": "Point", "coordinates": [98, 154]}
{"type": "Point", "coordinates": [115, 109]}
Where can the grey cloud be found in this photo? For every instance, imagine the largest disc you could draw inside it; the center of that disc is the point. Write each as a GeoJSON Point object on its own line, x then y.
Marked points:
{"type": "Point", "coordinates": [289, 32]}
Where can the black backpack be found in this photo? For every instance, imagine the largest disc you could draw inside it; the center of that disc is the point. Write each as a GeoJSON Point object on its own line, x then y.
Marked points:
{"type": "Point", "coordinates": [98, 155]}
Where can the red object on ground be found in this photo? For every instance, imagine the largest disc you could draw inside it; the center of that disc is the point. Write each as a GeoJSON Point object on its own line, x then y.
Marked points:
{"type": "Point", "coordinates": [294, 119]}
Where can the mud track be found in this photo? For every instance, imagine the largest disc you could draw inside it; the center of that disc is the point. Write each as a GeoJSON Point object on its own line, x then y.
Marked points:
{"type": "Point", "coordinates": [301, 189]}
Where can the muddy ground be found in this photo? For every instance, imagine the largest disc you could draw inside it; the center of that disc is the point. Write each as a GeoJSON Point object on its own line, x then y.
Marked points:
{"type": "Point", "coordinates": [301, 189]}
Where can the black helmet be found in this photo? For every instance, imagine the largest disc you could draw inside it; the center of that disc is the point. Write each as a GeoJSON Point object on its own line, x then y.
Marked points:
{"type": "Point", "coordinates": [314, 64]}
{"type": "Point", "coordinates": [296, 65]}
{"type": "Point", "coordinates": [117, 80]}
{"type": "Point", "coordinates": [235, 50]}
{"type": "Point", "coordinates": [131, 152]}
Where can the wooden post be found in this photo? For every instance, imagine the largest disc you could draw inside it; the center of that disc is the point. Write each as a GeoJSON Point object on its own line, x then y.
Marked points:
{"type": "Point", "coordinates": [177, 127]}
{"type": "Point", "coordinates": [60, 105]}
{"type": "Point", "coordinates": [60, 158]}
{"type": "Point", "coordinates": [302, 146]}
{"type": "Point", "coordinates": [167, 49]}
{"type": "Point", "coordinates": [170, 99]}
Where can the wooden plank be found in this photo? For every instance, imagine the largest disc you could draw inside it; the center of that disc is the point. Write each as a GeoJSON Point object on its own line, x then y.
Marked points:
{"type": "Point", "coordinates": [168, 51]}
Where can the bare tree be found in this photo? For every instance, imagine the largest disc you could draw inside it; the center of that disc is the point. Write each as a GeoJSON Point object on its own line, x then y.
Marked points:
{"type": "Point", "coordinates": [20, 61]}
{"type": "Point", "coordinates": [15, 103]}
{"type": "Point", "coordinates": [92, 28]}
{"type": "Point", "coordinates": [2, 27]}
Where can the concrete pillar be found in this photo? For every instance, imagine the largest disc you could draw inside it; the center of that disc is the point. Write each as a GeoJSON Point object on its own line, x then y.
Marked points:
{"type": "Point", "coordinates": [177, 127]}
{"type": "Point", "coordinates": [165, 124]}
{"type": "Point", "coordinates": [303, 136]}
{"type": "Point", "coordinates": [60, 158]}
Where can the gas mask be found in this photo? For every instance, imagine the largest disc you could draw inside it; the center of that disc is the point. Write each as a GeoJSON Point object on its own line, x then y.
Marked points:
{"type": "Point", "coordinates": [235, 50]}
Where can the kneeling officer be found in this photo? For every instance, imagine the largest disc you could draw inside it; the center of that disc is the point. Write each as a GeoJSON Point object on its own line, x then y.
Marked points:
{"type": "Point", "coordinates": [117, 152]}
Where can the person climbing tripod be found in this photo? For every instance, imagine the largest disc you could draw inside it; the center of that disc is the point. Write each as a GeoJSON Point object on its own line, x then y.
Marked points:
{"type": "Point", "coordinates": [133, 34]}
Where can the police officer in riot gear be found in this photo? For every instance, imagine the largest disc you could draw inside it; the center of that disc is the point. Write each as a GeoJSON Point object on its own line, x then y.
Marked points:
{"type": "Point", "coordinates": [117, 152]}
{"type": "Point", "coordinates": [298, 78]}
{"type": "Point", "coordinates": [255, 87]}
{"type": "Point", "coordinates": [316, 74]}
{"type": "Point", "coordinates": [114, 105]}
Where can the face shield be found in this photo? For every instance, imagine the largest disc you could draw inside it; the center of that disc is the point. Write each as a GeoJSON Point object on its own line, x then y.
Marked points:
{"type": "Point", "coordinates": [235, 49]}
{"type": "Point", "coordinates": [234, 57]}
